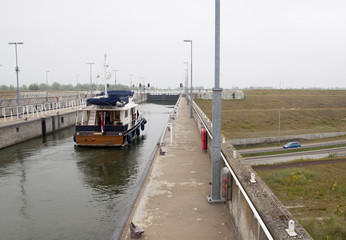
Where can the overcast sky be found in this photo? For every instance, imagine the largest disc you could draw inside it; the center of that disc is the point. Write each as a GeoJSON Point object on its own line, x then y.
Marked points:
{"type": "Point", "coordinates": [264, 43]}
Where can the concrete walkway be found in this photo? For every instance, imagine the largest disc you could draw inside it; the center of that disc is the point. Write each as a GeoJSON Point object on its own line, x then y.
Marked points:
{"type": "Point", "coordinates": [173, 202]}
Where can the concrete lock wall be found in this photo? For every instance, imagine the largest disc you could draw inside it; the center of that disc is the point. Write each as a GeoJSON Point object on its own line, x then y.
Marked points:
{"type": "Point", "coordinates": [19, 132]}
{"type": "Point", "coordinates": [270, 210]}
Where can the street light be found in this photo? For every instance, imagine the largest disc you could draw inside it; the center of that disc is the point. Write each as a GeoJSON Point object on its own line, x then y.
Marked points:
{"type": "Point", "coordinates": [47, 86]}
{"type": "Point", "coordinates": [77, 86]}
{"type": "Point", "coordinates": [131, 74]}
{"type": "Point", "coordinates": [190, 41]}
{"type": "Point", "coordinates": [186, 81]}
{"type": "Point", "coordinates": [91, 79]}
{"type": "Point", "coordinates": [216, 115]}
{"type": "Point", "coordinates": [17, 70]}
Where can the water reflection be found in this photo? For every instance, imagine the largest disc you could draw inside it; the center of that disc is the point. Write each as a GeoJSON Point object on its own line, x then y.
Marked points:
{"type": "Point", "coordinates": [49, 189]}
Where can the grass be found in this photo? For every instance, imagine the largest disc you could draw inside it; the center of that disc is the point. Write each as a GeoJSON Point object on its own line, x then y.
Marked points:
{"type": "Point", "coordinates": [321, 189]}
{"type": "Point", "coordinates": [301, 111]}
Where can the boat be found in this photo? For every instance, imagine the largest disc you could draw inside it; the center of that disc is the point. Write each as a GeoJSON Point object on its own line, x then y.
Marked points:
{"type": "Point", "coordinates": [109, 120]}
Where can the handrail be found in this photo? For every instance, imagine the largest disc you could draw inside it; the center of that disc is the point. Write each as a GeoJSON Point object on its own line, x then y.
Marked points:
{"type": "Point", "coordinates": [164, 133]}
{"type": "Point", "coordinates": [174, 112]}
{"type": "Point", "coordinates": [254, 210]}
{"type": "Point", "coordinates": [40, 108]}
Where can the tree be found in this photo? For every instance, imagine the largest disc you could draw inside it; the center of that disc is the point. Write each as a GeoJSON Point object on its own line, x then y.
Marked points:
{"type": "Point", "coordinates": [33, 86]}
{"type": "Point", "coordinates": [56, 86]}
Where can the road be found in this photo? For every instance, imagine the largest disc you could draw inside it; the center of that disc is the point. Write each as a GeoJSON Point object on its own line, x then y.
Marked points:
{"type": "Point", "coordinates": [279, 148]}
{"type": "Point", "coordinates": [289, 156]}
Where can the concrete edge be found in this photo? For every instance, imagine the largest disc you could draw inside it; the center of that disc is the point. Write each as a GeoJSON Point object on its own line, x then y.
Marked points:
{"type": "Point", "coordinates": [124, 219]}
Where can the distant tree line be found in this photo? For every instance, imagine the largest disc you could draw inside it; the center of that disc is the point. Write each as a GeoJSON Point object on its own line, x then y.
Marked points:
{"type": "Point", "coordinates": [67, 87]}
{"type": "Point", "coordinates": [79, 87]}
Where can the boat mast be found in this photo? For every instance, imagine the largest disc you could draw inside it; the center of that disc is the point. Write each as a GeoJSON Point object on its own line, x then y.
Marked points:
{"type": "Point", "coordinates": [105, 74]}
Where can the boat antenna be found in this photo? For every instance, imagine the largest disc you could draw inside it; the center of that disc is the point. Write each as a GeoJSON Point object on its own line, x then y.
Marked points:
{"type": "Point", "coordinates": [105, 74]}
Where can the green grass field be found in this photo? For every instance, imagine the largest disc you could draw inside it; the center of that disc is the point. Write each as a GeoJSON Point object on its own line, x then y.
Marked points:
{"type": "Point", "coordinates": [301, 112]}
{"type": "Point", "coordinates": [315, 195]}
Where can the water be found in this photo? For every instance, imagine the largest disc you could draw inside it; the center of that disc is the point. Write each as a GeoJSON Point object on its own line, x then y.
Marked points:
{"type": "Point", "coordinates": [51, 190]}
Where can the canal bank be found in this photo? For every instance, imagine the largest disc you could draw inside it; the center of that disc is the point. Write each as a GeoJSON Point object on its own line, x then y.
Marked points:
{"type": "Point", "coordinates": [173, 202]}
{"type": "Point", "coordinates": [20, 130]}
{"type": "Point", "coordinates": [41, 119]}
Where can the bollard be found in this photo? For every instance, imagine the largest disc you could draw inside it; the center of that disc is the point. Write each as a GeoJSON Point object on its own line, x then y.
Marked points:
{"type": "Point", "coordinates": [290, 229]}
{"type": "Point", "coordinates": [252, 179]}
{"type": "Point", "coordinates": [234, 154]}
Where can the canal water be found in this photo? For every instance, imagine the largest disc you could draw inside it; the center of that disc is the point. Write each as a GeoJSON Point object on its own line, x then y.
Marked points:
{"type": "Point", "coordinates": [51, 190]}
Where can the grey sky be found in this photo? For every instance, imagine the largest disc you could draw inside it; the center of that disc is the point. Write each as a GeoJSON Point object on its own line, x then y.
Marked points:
{"type": "Point", "coordinates": [292, 44]}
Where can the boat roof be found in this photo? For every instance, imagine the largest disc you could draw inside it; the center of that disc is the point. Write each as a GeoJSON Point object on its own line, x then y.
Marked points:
{"type": "Point", "coordinates": [111, 99]}
{"type": "Point", "coordinates": [109, 108]}
{"type": "Point", "coordinates": [118, 93]}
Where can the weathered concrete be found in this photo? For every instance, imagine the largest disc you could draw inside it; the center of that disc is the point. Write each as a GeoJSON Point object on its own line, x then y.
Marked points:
{"type": "Point", "coordinates": [173, 204]}
{"type": "Point", "coordinates": [20, 130]}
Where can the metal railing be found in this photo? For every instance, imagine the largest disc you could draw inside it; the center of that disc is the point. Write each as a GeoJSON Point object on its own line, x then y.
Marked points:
{"type": "Point", "coordinates": [254, 210]}
{"type": "Point", "coordinates": [169, 125]}
{"type": "Point", "coordinates": [39, 109]}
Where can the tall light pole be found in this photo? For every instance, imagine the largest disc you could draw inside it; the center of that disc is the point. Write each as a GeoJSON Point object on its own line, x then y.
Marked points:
{"type": "Point", "coordinates": [190, 41]}
{"type": "Point", "coordinates": [131, 80]}
{"type": "Point", "coordinates": [47, 86]}
{"type": "Point", "coordinates": [91, 79]}
{"type": "Point", "coordinates": [186, 80]}
{"type": "Point", "coordinates": [17, 71]}
{"type": "Point", "coordinates": [216, 115]}
{"type": "Point", "coordinates": [77, 85]}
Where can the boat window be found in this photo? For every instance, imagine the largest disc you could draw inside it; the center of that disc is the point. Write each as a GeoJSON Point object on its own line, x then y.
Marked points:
{"type": "Point", "coordinates": [116, 116]}
{"type": "Point", "coordinates": [126, 113]}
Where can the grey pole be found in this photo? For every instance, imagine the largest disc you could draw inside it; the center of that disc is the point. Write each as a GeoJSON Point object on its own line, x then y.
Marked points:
{"type": "Point", "coordinates": [17, 71]}
{"type": "Point", "coordinates": [187, 81]}
{"type": "Point", "coordinates": [216, 114]}
{"type": "Point", "coordinates": [47, 86]}
{"type": "Point", "coordinates": [191, 100]}
{"type": "Point", "coordinates": [131, 74]}
{"type": "Point", "coordinates": [77, 87]}
{"type": "Point", "coordinates": [91, 79]}
{"type": "Point", "coordinates": [115, 76]}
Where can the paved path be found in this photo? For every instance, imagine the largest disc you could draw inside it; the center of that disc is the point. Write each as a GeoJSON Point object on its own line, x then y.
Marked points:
{"type": "Point", "coordinates": [173, 202]}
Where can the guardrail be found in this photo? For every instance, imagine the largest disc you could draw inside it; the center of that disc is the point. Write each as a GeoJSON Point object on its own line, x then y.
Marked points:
{"type": "Point", "coordinates": [39, 109]}
{"type": "Point", "coordinates": [169, 126]}
{"type": "Point", "coordinates": [256, 214]}
{"type": "Point", "coordinates": [276, 229]}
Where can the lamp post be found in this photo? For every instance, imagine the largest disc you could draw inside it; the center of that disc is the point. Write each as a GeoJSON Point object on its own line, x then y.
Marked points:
{"type": "Point", "coordinates": [131, 74]}
{"type": "Point", "coordinates": [47, 86]}
{"type": "Point", "coordinates": [77, 86]}
{"type": "Point", "coordinates": [190, 41]}
{"type": "Point", "coordinates": [17, 70]}
{"type": "Point", "coordinates": [186, 80]}
{"type": "Point", "coordinates": [216, 115]}
{"type": "Point", "coordinates": [91, 79]}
